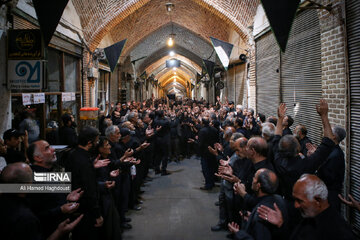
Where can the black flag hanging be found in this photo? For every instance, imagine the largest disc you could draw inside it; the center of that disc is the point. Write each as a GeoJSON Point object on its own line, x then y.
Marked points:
{"type": "Point", "coordinates": [281, 14]}
{"type": "Point", "coordinates": [223, 50]}
{"type": "Point", "coordinates": [113, 53]}
{"type": "Point", "coordinates": [209, 66]}
{"type": "Point", "coordinates": [49, 14]}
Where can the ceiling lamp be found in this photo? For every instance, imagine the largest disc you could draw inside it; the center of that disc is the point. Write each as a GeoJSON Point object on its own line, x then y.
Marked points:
{"type": "Point", "coordinates": [171, 53]}
{"type": "Point", "coordinates": [170, 42]}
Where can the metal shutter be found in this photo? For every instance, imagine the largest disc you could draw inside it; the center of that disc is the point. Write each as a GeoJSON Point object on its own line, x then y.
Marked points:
{"type": "Point", "coordinates": [301, 73]}
{"type": "Point", "coordinates": [267, 75]}
{"type": "Point", "coordinates": [353, 35]}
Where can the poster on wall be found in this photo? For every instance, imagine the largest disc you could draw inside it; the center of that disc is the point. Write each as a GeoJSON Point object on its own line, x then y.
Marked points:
{"type": "Point", "coordinates": [39, 98]}
{"type": "Point", "coordinates": [24, 44]}
{"type": "Point", "coordinates": [66, 96]}
{"type": "Point", "coordinates": [27, 99]}
{"type": "Point", "coordinates": [25, 74]}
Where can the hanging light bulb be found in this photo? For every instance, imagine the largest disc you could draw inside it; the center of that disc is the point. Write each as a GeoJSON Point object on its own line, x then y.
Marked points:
{"type": "Point", "coordinates": [172, 53]}
{"type": "Point", "coordinates": [170, 41]}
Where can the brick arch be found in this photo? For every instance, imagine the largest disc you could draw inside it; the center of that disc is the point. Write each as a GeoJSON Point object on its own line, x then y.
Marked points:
{"type": "Point", "coordinates": [155, 65]}
{"type": "Point", "coordinates": [168, 73]}
{"type": "Point", "coordinates": [107, 14]}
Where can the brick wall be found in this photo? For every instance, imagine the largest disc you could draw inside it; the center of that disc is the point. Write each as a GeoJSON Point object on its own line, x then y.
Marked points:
{"type": "Point", "coordinates": [99, 17]}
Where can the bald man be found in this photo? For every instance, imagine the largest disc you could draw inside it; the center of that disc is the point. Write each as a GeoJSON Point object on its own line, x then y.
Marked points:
{"type": "Point", "coordinates": [265, 184]}
{"type": "Point", "coordinates": [320, 220]}
{"type": "Point", "coordinates": [17, 219]}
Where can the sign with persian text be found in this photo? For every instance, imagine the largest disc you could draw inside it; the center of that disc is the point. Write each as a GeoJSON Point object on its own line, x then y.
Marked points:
{"type": "Point", "coordinates": [25, 44]}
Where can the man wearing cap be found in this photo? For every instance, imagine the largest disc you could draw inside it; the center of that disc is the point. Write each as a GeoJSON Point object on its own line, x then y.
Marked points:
{"type": "Point", "coordinates": [12, 141]}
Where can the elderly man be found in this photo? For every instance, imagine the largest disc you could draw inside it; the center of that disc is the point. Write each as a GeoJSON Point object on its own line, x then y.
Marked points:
{"type": "Point", "coordinates": [50, 208]}
{"type": "Point", "coordinates": [319, 219]}
{"type": "Point", "coordinates": [265, 183]}
{"type": "Point", "coordinates": [17, 219]}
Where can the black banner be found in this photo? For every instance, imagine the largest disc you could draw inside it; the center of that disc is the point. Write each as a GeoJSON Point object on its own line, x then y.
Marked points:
{"type": "Point", "coordinates": [209, 67]}
{"type": "Point", "coordinates": [113, 53]}
{"type": "Point", "coordinates": [25, 44]}
{"type": "Point", "coordinates": [281, 14]}
{"type": "Point", "coordinates": [49, 14]}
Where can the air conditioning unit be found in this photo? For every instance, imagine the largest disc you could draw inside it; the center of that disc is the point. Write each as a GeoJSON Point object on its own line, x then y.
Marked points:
{"type": "Point", "coordinates": [93, 72]}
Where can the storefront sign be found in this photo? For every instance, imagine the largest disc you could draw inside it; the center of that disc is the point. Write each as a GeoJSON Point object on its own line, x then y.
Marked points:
{"type": "Point", "coordinates": [39, 98]}
{"type": "Point", "coordinates": [25, 74]}
{"type": "Point", "coordinates": [27, 98]}
{"type": "Point", "coordinates": [73, 97]}
{"type": "Point", "coordinates": [25, 44]}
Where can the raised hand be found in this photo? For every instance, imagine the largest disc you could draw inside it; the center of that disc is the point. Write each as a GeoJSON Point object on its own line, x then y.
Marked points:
{"type": "Point", "coordinates": [75, 195]}
{"type": "Point", "coordinates": [67, 226]}
{"type": "Point", "coordinates": [273, 216]}
{"type": "Point", "coordinates": [129, 152]}
{"type": "Point", "coordinates": [240, 189]}
{"type": "Point", "coordinates": [322, 108]}
{"type": "Point", "coordinates": [311, 149]}
{"type": "Point", "coordinates": [101, 163]}
{"type": "Point", "coordinates": [282, 110]}
{"type": "Point", "coordinates": [212, 151]}
{"type": "Point", "coordinates": [68, 208]}
{"type": "Point", "coordinates": [352, 203]}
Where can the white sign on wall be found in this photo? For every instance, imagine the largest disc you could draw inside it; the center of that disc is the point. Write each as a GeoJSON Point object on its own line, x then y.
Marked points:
{"type": "Point", "coordinates": [39, 98]}
{"type": "Point", "coordinates": [25, 74]}
{"type": "Point", "coordinates": [66, 96]}
{"type": "Point", "coordinates": [27, 98]}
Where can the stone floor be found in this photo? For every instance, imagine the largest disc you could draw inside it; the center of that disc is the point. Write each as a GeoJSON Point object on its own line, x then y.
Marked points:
{"type": "Point", "coordinates": [175, 208]}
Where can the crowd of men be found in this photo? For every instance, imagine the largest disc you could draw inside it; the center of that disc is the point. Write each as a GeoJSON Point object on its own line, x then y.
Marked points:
{"type": "Point", "coordinates": [273, 184]}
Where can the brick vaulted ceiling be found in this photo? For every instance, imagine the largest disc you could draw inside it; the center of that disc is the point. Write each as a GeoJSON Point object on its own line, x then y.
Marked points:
{"type": "Point", "coordinates": [146, 24]}
{"type": "Point", "coordinates": [122, 17]}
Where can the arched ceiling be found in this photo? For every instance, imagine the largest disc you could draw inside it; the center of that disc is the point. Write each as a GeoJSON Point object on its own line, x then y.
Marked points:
{"type": "Point", "coordinates": [158, 65]}
{"type": "Point", "coordinates": [99, 17]}
{"type": "Point", "coordinates": [187, 44]}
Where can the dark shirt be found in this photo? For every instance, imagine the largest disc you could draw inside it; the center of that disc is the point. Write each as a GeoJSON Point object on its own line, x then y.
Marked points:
{"type": "Point", "coordinates": [17, 221]}
{"type": "Point", "coordinates": [287, 131]}
{"type": "Point", "coordinates": [84, 177]}
{"type": "Point", "coordinates": [326, 225]}
{"type": "Point", "coordinates": [303, 143]}
{"type": "Point", "coordinates": [332, 173]}
{"type": "Point", "coordinates": [250, 200]}
{"type": "Point", "coordinates": [13, 156]}
{"type": "Point", "coordinates": [68, 136]}
{"type": "Point", "coordinates": [208, 136]}
{"type": "Point", "coordinates": [290, 169]}
{"type": "Point", "coordinates": [260, 229]}
{"type": "Point", "coordinates": [46, 206]}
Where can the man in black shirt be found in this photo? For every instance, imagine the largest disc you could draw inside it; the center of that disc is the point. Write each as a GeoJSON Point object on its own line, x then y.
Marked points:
{"type": "Point", "coordinates": [287, 123]}
{"type": "Point", "coordinates": [264, 185]}
{"type": "Point", "coordinates": [67, 132]}
{"type": "Point", "coordinates": [320, 219]}
{"type": "Point", "coordinates": [12, 140]}
{"type": "Point", "coordinates": [333, 169]}
{"type": "Point", "coordinates": [50, 208]}
{"type": "Point", "coordinates": [82, 169]}
{"type": "Point", "coordinates": [208, 136]}
{"type": "Point", "coordinates": [300, 132]}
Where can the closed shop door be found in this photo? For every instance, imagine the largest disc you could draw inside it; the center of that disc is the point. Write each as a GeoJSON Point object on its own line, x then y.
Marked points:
{"type": "Point", "coordinates": [301, 73]}
{"type": "Point", "coordinates": [267, 75]}
{"type": "Point", "coordinates": [353, 31]}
